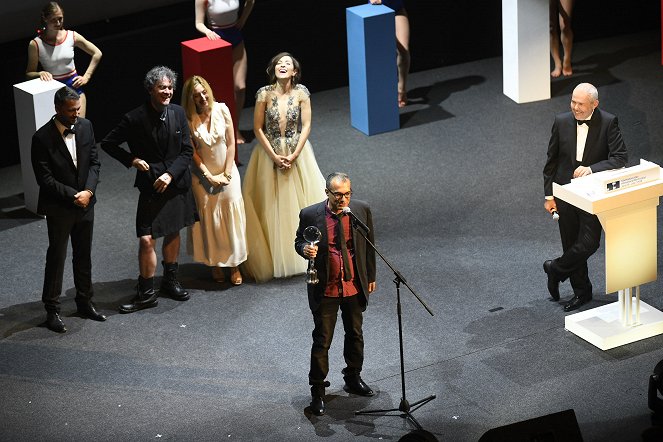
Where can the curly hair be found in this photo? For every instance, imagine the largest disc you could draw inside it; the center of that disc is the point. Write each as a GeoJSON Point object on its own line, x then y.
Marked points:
{"type": "Point", "coordinates": [156, 74]}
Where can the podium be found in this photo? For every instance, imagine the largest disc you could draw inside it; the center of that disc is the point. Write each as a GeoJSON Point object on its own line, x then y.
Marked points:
{"type": "Point", "coordinates": [212, 60]}
{"type": "Point", "coordinates": [34, 107]}
{"type": "Point", "coordinates": [625, 202]}
{"type": "Point", "coordinates": [372, 69]}
{"type": "Point", "coordinates": [526, 50]}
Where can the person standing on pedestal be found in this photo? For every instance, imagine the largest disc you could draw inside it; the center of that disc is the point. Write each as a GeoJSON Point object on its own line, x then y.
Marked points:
{"type": "Point", "coordinates": [225, 21]}
{"type": "Point", "coordinates": [346, 270]}
{"type": "Point", "coordinates": [160, 149]}
{"type": "Point", "coordinates": [66, 166]}
{"type": "Point", "coordinates": [53, 49]}
{"type": "Point", "coordinates": [560, 31]}
{"type": "Point", "coordinates": [583, 141]}
{"type": "Point", "coordinates": [402, 45]}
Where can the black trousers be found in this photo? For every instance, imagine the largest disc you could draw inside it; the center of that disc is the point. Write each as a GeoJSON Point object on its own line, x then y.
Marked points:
{"type": "Point", "coordinates": [581, 237]}
{"type": "Point", "coordinates": [353, 347]}
{"type": "Point", "coordinates": [79, 228]}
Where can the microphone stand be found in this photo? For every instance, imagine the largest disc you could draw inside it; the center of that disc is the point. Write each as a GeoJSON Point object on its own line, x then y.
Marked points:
{"type": "Point", "coordinates": [405, 408]}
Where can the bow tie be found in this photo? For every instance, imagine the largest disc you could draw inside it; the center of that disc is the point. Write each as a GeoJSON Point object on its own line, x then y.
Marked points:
{"type": "Point", "coordinates": [581, 122]}
{"type": "Point", "coordinates": [69, 131]}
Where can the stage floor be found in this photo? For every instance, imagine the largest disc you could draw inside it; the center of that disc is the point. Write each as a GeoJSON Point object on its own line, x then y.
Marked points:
{"type": "Point", "coordinates": [458, 208]}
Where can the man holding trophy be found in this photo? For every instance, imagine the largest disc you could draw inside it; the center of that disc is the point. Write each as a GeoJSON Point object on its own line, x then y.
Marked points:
{"type": "Point", "coordinates": [345, 266]}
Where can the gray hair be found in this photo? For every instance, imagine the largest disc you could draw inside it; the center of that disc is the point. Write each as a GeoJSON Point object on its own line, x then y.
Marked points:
{"type": "Point", "coordinates": [63, 94]}
{"type": "Point", "coordinates": [156, 74]}
{"type": "Point", "coordinates": [589, 89]}
{"type": "Point", "coordinates": [340, 176]}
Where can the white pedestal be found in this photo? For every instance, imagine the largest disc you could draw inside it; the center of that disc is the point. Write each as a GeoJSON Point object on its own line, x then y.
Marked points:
{"type": "Point", "coordinates": [34, 107]}
{"type": "Point", "coordinates": [603, 326]}
{"type": "Point", "coordinates": [526, 50]}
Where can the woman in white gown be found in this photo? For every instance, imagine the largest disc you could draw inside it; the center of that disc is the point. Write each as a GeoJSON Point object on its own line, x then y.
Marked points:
{"type": "Point", "coordinates": [282, 176]}
{"type": "Point", "coordinates": [219, 239]}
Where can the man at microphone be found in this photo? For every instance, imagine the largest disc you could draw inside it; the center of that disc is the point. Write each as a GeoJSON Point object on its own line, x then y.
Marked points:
{"type": "Point", "coordinates": [583, 141]}
{"type": "Point", "coordinates": [346, 270]}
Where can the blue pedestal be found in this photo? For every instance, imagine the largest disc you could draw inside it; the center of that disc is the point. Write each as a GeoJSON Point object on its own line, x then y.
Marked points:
{"type": "Point", "coordinates": [372, 68]}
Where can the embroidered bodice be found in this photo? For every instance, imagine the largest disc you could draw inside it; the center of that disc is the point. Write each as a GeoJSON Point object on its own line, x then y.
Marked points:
{"type": "Point", "coordinates": [282, 131]}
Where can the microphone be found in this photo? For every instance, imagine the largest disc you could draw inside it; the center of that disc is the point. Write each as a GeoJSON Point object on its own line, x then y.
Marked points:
{"type": "Point", "coordinates": [359, 222]}
{"type": "Point", "coordinates": [555, 215]}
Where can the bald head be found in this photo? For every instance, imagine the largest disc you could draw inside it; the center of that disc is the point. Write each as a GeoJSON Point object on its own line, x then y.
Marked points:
{"type": "Point", "coordinates": [584, 100]}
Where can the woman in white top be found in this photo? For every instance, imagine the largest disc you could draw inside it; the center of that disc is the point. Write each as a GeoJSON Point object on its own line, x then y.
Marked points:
{"type": "Point", "coordinates": [53, 50]}
{"type": "Point", "coordinates": [222, 19]}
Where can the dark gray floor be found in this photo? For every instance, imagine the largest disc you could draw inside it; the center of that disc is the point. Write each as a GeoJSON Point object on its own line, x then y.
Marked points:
{"type": "Point", "coordinates": [457, 199]}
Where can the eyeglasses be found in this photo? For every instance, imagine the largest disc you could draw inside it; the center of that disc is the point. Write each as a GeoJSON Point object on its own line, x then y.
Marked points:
{"type": "Point", "coordinates": [339, 195]}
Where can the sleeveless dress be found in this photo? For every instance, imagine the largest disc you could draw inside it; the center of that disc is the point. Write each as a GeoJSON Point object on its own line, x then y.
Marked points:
{"type": "Point", "coordinates": [274, 197]}
{"type": "Point", "coordinates": [219, 239]}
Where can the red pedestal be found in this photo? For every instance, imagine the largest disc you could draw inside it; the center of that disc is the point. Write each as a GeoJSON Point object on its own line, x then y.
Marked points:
{"type": "Point", "coordinates": [212, 60]}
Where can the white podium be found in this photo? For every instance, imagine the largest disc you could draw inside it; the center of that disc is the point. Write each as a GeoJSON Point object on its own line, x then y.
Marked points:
{"type": "Point", "coordinates": [526, 50]}
{"type": "Point", "coordinates": [34, 107]}
{"type": "Point", "coordinates": [628, 217]}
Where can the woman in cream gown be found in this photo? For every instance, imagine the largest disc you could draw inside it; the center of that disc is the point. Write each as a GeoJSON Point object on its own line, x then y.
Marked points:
{"type": "Point", "coordinates": [219, 239]}
{"type": "Point", "coordinates": [282, 176]}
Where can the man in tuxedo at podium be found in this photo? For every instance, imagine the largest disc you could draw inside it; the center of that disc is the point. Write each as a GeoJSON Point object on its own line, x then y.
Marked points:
{"type": "Point", "coordinates": [583, 141]}
{"type": "Point", "coordinates": [346, 273]}
{"type": "Point", "coordinates": [66, 166]}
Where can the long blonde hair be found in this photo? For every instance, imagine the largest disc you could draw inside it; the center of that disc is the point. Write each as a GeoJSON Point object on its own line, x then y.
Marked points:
{"type": "Point", "coordinates": [188, 103]}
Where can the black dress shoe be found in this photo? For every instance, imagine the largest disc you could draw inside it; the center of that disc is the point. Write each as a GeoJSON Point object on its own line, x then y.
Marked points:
{"type": "Point", "coordinates": [355, 385]}
{"type": "Point", "coordinates": [87, 310]}
{"type": "Point", "coordinates": [54, 322]}
{"type": "Point", "coordinates": [576, 302]}
{"type": "Point", "coordinates": [553, 282]}
{"type": "Point", "coordinates": [317, 406]}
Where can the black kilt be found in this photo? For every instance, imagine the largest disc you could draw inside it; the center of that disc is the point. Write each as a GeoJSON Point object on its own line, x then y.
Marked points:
{"type": "Point", "coordinates": [161, 214]}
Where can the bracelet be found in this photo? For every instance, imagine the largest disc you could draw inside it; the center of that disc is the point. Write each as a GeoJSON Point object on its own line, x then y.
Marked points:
{"type": "Point", "coordinates": [228, 176]}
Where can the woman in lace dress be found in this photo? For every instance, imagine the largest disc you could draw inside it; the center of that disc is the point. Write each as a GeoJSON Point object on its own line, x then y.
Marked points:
{"type": "Point", "coordinates": [219, 239]}
{"type": "Point", "coordinates": [282, 176]}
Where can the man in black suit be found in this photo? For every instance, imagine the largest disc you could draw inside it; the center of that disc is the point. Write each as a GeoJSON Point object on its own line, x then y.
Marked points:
{"type": "Point", "coordinates": [583, 141]}
{"type": "Point", "coordinates": [160, 149]}
{"type": "Point", "coordinates": [346, 270]}
{"type": "Point", "coordinates": [65, 163]}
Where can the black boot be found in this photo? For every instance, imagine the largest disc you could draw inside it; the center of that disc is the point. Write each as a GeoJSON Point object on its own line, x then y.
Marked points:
{"type": "Point", "coordinates": [146, 297]}
{"type": "Point", "coordinates": [170, 286]}
{"type": "Point", "coordinates": [317, 406]}
{"type": "Point", "coordinates": [355, 384]}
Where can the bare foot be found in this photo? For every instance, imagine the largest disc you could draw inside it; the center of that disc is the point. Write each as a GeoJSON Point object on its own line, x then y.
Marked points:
{"type": "Point", "coordinates": [567, 69]}
{"type": "Point", "coordinates": [402, 99]}
{"type": "Point", "coordinates": [556, 72]}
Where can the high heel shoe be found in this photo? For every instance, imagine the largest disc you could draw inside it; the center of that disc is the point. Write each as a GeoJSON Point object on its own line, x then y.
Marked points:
{"type": "Point", "coordinates": [235, 276]}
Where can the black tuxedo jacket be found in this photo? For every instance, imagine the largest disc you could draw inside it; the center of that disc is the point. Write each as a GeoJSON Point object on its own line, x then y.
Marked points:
{"type": "Point", "coordinates": [136, 128]}
{"type": "Point", "coordinates": [59, 180]}
{"type": "Point", "coordinates": [604, 148]}
{"type": "Point", "coordinates": [364, 258]}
